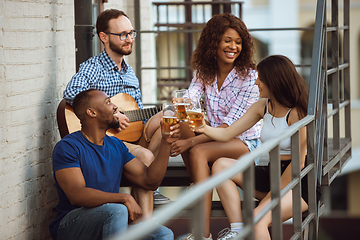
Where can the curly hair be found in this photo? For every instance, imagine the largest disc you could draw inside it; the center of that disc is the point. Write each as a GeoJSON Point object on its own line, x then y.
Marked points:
{"type": "Point", "coordinates": [204, 57]}
{"type": "Point", "coordinates": [285, 84]}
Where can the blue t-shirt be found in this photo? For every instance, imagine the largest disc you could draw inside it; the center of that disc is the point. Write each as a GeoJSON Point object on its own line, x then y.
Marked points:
{"type": "Point", "coordinates": [101, 166]}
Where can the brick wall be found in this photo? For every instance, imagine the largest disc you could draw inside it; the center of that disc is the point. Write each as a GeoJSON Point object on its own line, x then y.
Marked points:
{"type": "Point", "coordinates": [37, 59]}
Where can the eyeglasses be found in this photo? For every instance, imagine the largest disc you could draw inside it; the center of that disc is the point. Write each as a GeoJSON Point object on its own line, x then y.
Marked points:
{"type": "Point", "coordinates": [123, 36]}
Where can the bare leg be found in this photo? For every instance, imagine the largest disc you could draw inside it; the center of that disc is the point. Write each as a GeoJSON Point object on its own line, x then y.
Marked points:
{"type": "Point", "coordinates": [152, 137]}
{"type": "Point", "coordinates": [145, 199]}
{"type": "Point", "coordinates": [228, 191]}
{"type": "Point", "coordinates": [142, 196]}
{"type": "Point", "coordinates": [155, 142]}
{"type": "Point", "coordinates": [201, 155]}
{"type": "Point", "coordinates": [153, 133]}
{"type": "Point", "coordinates": [153, 125]}
{"type": "Point", "coordinates": [145, 155]}
{"type": "Point", "coordinates": [261, 228]}
{"type": "Point", "coordinates": [185, 134]}
{"type": "Point", "coordinates": [230, 199]}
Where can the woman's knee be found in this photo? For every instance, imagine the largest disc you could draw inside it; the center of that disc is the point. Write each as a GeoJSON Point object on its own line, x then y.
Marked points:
{"type": "Point", "coordinates": [198, 153]}
{"type": "Point", "coordinates": [220, 165]}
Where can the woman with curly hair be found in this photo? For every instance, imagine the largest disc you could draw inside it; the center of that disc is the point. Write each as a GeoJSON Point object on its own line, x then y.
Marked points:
{"type": "Point", "coordinates": [225, 73]}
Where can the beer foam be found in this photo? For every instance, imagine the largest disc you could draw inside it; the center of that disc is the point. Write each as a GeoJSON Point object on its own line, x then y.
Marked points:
{"type": "Point", "coordinates": [194, 110]}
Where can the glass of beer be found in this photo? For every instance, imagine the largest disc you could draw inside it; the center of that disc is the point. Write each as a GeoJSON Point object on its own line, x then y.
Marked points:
{"type": "Point", "coordinates": [169, 117]}
{"type": "Point", "coordinates": [181, 104]}
{"type": "Point", "coordinates": [194, 114]}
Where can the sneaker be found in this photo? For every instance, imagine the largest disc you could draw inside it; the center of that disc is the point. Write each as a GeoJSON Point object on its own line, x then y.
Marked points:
{"type": "Point", "coordinates": [191, 236]}
{"type": "Point", "coordinates": [226, 234]}
{"type": "Point", "coordinates": [160, 199]}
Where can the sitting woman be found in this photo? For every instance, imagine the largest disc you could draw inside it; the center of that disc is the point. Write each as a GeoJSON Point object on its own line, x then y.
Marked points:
{"type": "Point", "coordinates": [284, 102]}
{"type": "Point", "coordinates": [225, 73]}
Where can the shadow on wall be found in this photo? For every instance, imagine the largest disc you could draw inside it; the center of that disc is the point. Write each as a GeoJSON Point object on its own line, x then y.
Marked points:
{"type": "Point", "coordinates": [38, 176]}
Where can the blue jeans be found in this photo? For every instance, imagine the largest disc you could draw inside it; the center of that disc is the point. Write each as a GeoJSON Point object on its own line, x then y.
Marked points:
{"type": "Point", "coordinates": [101, 223]}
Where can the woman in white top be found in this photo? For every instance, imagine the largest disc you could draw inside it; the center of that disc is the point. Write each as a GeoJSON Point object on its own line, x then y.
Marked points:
{"type": "Point", "coordinates": [284, 101]}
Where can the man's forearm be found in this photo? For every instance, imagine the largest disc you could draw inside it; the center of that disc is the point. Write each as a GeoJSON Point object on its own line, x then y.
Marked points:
{"type": "Point", "coordinates": [157, 169]}
{"type": "Point", "coordinates": [90, 197]}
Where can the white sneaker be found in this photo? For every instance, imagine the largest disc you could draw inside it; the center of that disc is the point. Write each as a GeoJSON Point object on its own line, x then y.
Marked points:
{"type": "Point", "coordinates": [191, 236]}
{"type": "Point", "coordinates": [226, 234]}
{"type": "Point", "coordinates": [160, 199]}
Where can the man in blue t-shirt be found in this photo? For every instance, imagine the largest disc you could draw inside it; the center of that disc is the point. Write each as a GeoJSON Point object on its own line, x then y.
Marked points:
{"type": "Point", "coordinates": [88, 166]}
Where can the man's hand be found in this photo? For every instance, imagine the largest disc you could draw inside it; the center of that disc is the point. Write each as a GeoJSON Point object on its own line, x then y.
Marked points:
{"type": "Point", "coordinates": [123, 120]}
{"type": "Point", "coordinates": [174, 132]}
{"type": "Point", "coordinates": [133, 207]}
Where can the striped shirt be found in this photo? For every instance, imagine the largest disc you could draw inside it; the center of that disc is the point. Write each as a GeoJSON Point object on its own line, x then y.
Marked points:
{"type": "Point", "coordinates": [230, 102]}
{"type": "Point", "coordinates": [100, 72]}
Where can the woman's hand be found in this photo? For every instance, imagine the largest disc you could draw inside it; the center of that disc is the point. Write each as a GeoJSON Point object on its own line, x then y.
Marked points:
{"type": "Point", "coordinates": [199, 129]}
{"type": "Point", "coordinates": [180, 146]}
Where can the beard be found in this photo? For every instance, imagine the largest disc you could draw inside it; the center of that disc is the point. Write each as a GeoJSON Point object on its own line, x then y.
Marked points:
{"type": "Point", "coordinates": [114, 123]}
{"type": "Point", "coordinates": [119, 50]}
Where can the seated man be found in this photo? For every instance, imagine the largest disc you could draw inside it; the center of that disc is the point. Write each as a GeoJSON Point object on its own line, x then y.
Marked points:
{"type": "Point", "coordinates": [88, 166]}
{"type": "Point", "coordinates": [110, 73]}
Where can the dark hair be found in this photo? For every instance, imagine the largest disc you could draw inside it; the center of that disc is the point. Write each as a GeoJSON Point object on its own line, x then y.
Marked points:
{"type": "Point", "coordinates": [102, 22]}
{"type": "Point", "coordinates": [285, 84]}
{"type": "Point", "coordinates": [204, 58]}
{"type": "Point", "coordinates": [81, 103]}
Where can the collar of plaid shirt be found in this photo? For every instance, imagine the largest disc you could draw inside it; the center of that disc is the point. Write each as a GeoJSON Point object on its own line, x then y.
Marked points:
{"type": "Point", "coordinates": [110, 64]}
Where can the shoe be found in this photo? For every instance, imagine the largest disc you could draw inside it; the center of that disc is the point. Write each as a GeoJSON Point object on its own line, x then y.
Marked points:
{"type": "Point", "coordinates": [226, 234]}
{"type": "Point", "coordinates": [160, 199]}
{"type": "Point", "coordinates": [191, 236]}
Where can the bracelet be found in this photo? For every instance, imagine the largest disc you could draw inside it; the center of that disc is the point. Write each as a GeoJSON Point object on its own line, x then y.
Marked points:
{"type": "Point", "coordinates": [192, 142]}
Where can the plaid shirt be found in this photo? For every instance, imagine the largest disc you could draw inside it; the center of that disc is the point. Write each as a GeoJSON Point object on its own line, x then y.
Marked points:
{"type": "Point", "coordinates": [101, 73]}
{"type": "Point", "coordinates": [231, 102]}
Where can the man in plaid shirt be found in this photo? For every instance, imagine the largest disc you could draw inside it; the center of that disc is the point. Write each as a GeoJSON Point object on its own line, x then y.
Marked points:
{"type": "Point", "coordinates": [110, 73]}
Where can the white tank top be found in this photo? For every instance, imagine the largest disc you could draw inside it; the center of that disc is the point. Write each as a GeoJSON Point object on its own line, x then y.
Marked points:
{"type": "Point", "coordinates": [273, 127]}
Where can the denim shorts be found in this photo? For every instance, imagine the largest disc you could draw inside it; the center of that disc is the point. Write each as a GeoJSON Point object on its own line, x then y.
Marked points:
{"type": "Point", "coordinates": [252, 144]}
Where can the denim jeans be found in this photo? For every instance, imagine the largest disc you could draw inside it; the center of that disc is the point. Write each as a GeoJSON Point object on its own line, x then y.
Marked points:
{"type": "Point", "coordinates": [101, 223]}
{"type": "Point", "coordinates": [252, 144]}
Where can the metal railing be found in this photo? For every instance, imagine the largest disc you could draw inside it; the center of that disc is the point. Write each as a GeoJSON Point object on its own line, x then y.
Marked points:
{"type": "Point", "coordinates": [326, 156]}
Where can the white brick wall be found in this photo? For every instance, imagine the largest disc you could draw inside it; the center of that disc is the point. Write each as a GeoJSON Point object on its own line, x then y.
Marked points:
{"type": "Point", "coordinates": [37, 59]}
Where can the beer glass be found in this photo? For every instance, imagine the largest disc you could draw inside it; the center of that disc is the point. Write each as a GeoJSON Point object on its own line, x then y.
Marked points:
{"type": "Point", "coordinates": [194, 114]}
{"type": "Point", "coordinates": [181, 104]}
{"type": "Point", "coordinates": [169, 117]}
